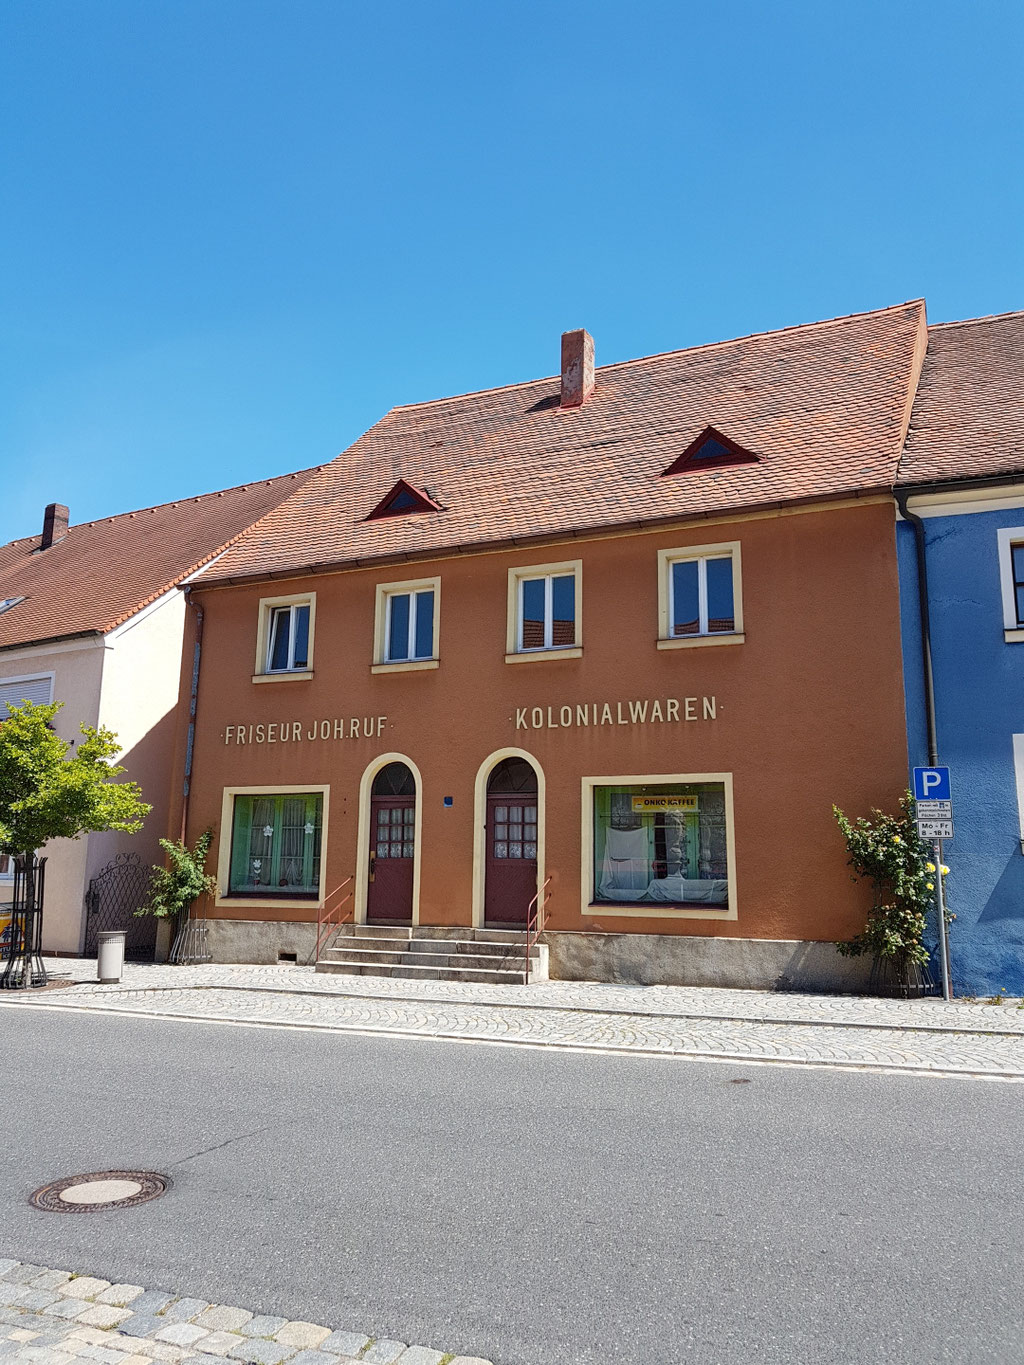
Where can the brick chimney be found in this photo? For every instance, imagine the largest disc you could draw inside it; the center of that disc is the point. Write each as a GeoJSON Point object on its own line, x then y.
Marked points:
{"type": "Point", "coordinates": [577, 368]}
{"type": "Point", "coordinates": [55, 525]}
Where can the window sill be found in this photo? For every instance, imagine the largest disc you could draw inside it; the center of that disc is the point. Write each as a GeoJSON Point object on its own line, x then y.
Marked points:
{"type": "Point", "coordinates": [614, 910]}
{"type": "Point", "coordinates": [1014, 637]}
{"type": "Point", "coordinates": [247, 900]}
{"type": "Point", "coordinates": [406, 666]}
{"type": "Point", "coordinates": [697, 641]}
{"type": "Point", "coordinates": [540, 655]}
{"type": "Point", "coordinates": [296, 675]}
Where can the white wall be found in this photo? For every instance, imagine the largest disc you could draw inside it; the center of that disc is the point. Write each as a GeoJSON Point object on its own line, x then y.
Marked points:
{"type": "Point", "coordinates": [127, 681]}
{"type": "Point", "coordinates": [77, 667]}
{"type": "Point", "coordinates": [138, 702]}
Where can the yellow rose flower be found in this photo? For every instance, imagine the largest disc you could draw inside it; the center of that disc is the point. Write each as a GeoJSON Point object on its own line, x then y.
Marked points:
{"type": "Point", "coordinates": [896, 839]}
{"type": "Point", "coordinates": [929, 867]}
{"type": "Point", "coordinates": [930, 886]}
{"type": "Point", "coordinates": [944, 869]}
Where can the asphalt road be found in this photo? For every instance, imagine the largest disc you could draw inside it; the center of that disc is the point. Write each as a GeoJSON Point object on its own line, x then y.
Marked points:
{"type": "Point", "coordinates": [528, 1206]}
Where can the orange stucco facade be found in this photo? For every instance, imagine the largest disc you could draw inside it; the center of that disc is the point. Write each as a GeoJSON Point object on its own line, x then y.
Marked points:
{"type": "Point", "coordinates": [807, 710]}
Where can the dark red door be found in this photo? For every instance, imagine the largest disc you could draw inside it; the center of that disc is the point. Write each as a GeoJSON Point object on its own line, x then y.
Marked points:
{"type": "Point", "coordinates": [391, 853]}
{"type": "Point", "coordinates": [511, 871]}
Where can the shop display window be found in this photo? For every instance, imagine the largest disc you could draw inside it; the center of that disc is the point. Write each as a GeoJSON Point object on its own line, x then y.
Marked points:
{"type": "Point", "coordinates": [275, 845]}
{"type": "Point", "coordinates": [664, 843]}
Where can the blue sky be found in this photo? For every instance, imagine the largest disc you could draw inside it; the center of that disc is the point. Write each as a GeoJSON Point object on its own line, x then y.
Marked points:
{"type": "Point", "coordinates": [236, 231]}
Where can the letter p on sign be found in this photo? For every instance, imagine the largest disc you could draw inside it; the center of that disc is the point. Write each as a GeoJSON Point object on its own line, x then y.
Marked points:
{"type": "Point", "coordinates": [931, 784]}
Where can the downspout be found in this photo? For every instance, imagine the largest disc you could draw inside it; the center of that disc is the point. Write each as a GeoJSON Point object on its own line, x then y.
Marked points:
{"type": "Point", "coordinates": [902, 495]}
{"type": "Point", "coordinates": [190, 745]}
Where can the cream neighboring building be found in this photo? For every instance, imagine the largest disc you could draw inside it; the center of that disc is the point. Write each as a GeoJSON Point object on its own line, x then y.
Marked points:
{"type": "Point", "coordinates": [93, 616]}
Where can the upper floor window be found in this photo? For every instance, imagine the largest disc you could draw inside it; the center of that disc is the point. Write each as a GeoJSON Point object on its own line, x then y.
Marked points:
{"type": "Point", "coordinates": [406, 631]}
{"type": "Point", "coordinates": [17, 691]}
{"type": "Point", "coordinates": [1011, 575]}
{"type": "Point", "coordinates": [545, 609]}
{"type": "Point", "coordinates": [284, 645]}
{"type": "Point", "coordinates": [699, 598]}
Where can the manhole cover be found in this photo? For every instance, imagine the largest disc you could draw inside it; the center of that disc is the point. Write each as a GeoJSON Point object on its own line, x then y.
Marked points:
{"type": "Point", "coordinates": [99, 1191]}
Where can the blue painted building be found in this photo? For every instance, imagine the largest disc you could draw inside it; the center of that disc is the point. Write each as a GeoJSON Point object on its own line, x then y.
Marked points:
{"type": "Point", "coordinates": [961, 492]}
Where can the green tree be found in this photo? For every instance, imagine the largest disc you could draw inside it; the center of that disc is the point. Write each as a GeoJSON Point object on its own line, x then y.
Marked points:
{"type": "Point", "coordinates": [175, 887]}
{"type": "Point", "coordinates": [45, 794]}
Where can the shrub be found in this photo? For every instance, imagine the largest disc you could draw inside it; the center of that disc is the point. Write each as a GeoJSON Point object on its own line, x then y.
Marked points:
{"type": "Point", "coordinates": [886, 850]}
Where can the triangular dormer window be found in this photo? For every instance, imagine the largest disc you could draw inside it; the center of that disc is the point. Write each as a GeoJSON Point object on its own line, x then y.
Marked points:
{"type": "Point", "coordinates": [711, 450]}
{"type": "Point", "coordinates": [404, 499]}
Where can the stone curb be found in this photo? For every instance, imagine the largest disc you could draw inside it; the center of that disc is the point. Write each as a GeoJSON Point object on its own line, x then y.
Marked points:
{"type": "Point", "coordinates": [955, 1029]}
{"type": "Point", "coordinates": [91, 1318]}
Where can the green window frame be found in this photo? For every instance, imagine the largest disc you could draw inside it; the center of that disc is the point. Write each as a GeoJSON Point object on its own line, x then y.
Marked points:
{"type": "Point", "coordinates": [276, 844]}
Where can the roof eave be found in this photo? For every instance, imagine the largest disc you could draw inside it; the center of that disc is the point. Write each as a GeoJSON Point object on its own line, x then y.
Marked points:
{"type": "Point", "coordinates": [541, 538]}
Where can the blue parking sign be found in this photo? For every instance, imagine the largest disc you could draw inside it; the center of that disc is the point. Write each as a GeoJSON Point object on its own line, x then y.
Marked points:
{"type": "Point", "coordinates": [931, 784]}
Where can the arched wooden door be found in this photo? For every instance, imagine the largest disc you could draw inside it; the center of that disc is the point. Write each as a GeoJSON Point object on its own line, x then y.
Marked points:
{"type": "Point", "coordinates": [392, 845]}
{"type": "Point", "coordinates": [510, 877]}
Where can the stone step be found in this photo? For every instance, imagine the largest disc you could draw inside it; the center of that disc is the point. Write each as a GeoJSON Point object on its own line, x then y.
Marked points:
{"type": "Point", "coordinates": [471, 961]}
{"type": "Point", "coordinates": [492, 977]}
{"type": "Point", "coordinates": [418, 931]}
{"type": "Point", "coordinates": [476, 947]}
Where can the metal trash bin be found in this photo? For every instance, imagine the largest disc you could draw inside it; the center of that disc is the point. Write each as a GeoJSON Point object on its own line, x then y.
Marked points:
{"type": "Point", "coordinates": [110, 955]}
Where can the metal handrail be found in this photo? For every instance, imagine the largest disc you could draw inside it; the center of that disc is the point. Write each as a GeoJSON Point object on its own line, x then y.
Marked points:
{"type": "Point", "coordinates": [534, 925]}
{"type": "Point", "coordinates": [326, 923]}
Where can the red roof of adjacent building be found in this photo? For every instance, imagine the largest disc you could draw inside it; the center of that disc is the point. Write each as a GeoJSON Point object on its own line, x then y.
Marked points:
{"type": "Point", "coordinates": [824, 406]}
{"type": "Point", "coordinates": [968, 419]}
{"type": "Point", "coordinates": [103, 572]}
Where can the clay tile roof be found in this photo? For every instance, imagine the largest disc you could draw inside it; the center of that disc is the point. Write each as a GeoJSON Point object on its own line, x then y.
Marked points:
{"type": "Point", "coordinates": [968, 418]}
{"type": "Point", "coordinates": [105, 571]}
{"type": "Point", "coordinates": [825, 406]}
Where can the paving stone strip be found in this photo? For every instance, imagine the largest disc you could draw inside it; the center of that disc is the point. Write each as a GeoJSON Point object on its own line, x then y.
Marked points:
{"type": "Point", "coordinates": [55, 1317]}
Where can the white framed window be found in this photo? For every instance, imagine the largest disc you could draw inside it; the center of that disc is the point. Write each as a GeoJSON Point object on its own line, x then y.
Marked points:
{"type": "Point", "coordinates": [6, 868]}
{"type": "Point", "coordinates": [700, 599]}
{"type": "Point", "coordinates": [34, 687]}
{"type": "Point", "coordinates": [407, 625]}
{"type": "Point", "coordinates": [1010, 542]}
{"type": "Point", "coordinates": [545, 610]}
{"type": "Point", "coordinates": [284, 637]}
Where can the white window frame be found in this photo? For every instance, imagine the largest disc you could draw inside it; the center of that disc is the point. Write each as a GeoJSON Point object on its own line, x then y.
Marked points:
{"type": "Point", "coordinates": [382, 626]}
{"type": "Point", "coordinates": [1006, 539]}
{"type": "Point", "coordinates": [268, 606]}
{"type": "Point", "coordinates": [515, 652]}
{"type": "Point", "coordinates": [729, 549]}
{"type": "Point", "coordinates": [46, 675]}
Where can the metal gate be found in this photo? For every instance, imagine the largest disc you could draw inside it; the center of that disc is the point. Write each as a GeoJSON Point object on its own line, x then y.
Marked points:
{"type": "Point", "coordinates": [111, 901]}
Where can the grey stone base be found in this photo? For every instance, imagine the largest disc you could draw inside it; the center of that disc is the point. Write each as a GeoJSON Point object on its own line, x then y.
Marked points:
{"type": "Point", "coordinates": [260, 941]}
{"type": "Point", "coordinates": [632, 959]}
{"type": "Point", "coordinates": [680, 960]}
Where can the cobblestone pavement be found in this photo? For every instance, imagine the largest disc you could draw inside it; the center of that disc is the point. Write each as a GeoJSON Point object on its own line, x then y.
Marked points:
{"type": "Point", "coordinates": [927, 1036]}
{"type": "Point", "coordinates": [53, 1317]}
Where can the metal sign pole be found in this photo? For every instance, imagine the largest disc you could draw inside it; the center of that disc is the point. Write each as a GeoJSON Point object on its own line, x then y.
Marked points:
{"type": "Point", "coordinates": [947, 990]}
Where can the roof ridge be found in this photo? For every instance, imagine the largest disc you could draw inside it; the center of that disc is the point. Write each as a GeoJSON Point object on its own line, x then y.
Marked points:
{"type": "Point", "coordinates": [174, 502]}
{"type": "Point", "coordinates": [841, 320]}
{"type": "Point", "coordinates": [973, 322]}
